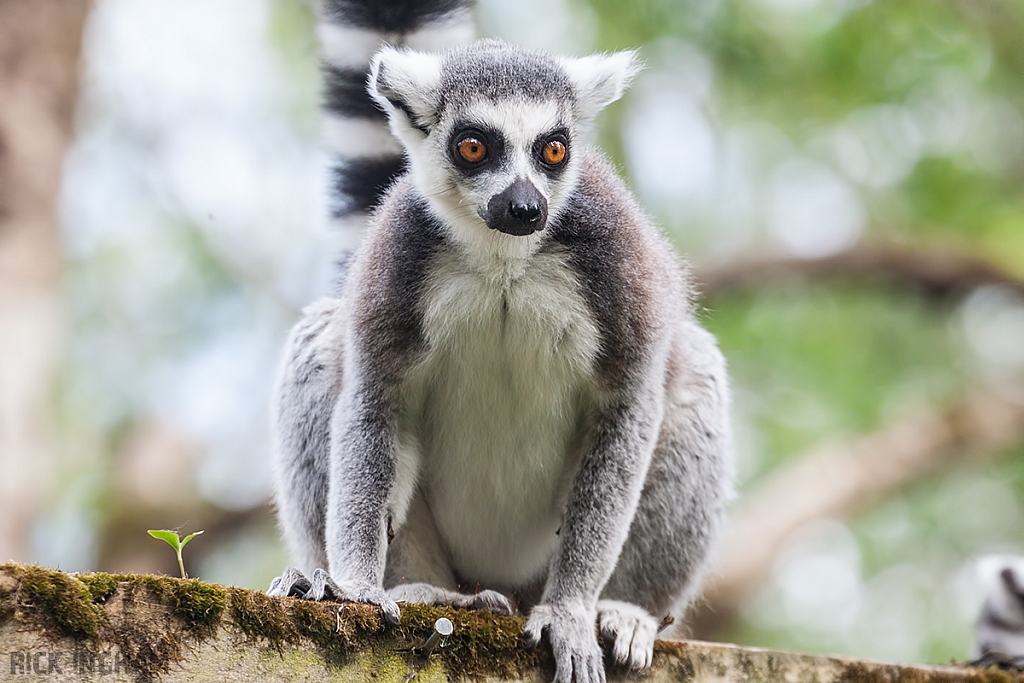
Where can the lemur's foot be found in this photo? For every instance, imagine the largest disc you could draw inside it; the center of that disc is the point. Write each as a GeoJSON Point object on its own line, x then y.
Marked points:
{"type": "Point", "coordinates": [320, 586]}
{"type": "Point", "coordinates": [426, 594]}
{"type": "Point", "coordinates": [629, 630]}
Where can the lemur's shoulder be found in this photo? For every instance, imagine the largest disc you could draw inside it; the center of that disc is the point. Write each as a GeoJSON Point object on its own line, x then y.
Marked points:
{"type": "Point", "coordinates": [402, 227]}
{"type": "Point", "coordinates": [601, 201]}
{"type": "Point", "coordinates": [389, 272]}
{"type": "Point", "coordinates": [604, 220]}
{"type": "Point", "coordinates": [634, 282]}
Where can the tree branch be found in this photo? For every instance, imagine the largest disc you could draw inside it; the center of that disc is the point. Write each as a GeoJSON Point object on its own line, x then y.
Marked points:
{"type": "Point", "coordinates": [935, 272]}
{"type": "Point", "coordinates": [841, 479]}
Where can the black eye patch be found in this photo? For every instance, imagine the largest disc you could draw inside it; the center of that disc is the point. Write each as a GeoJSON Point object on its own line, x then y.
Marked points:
{"type": "Point", "coordinates": [552, 165]}
{"type": "Point", "coordinates": [474, 149]}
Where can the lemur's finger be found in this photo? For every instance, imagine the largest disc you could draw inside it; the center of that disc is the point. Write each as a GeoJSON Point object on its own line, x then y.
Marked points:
{"type": "Point", "coordinates": [537, 625]}
{"type": "Point", "coordinates": [595, 669]}
{"type": "Point", "coordinates": [392, 613]}
{"type": "Point", "coordinates": [323, 587]}
{"type": "Point", "coordinates": [563, 665]}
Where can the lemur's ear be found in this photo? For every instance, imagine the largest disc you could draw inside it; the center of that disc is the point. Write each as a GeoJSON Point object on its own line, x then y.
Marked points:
{"type": "Point", "coordinates": [601, 79]}
{"type": "Point", "coordinates": [403, 82]}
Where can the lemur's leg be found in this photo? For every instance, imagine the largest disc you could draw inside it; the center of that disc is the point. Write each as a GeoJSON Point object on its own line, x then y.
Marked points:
{"type": "Point", "coordinates": [681, 509]}
{"type": "Point", "coordinates": [307, 390]}
{"type": "Point", "coordinates": [418, 569]}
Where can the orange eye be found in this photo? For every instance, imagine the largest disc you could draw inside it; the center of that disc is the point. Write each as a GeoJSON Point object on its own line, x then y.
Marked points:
{"type": "Point", "coordinates": [554, 152]}
{"type": "Point", "coordinates": [472, 150]}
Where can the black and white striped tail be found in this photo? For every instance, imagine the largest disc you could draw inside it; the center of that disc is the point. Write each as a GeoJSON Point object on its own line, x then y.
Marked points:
{"type": "Point", "coordinates": [365, 157]}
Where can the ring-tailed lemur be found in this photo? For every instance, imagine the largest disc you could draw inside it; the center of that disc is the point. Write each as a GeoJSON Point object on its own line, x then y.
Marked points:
{"type": "Point", "coordinates": [1000, 634]}
{"type": "Point", "coordinates": [510, 391]}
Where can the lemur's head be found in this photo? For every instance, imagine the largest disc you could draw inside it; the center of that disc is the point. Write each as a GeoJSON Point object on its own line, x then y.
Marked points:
{"type": "Point", "coordinates": [491, 130]}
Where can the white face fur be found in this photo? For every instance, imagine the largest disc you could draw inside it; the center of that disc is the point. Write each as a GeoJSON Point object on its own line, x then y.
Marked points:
{"type": "Point", "coordinates": [497, 169]}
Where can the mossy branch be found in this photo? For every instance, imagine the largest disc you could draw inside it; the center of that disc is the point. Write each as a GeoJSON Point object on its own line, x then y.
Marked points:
{"type": "Point", "coordinates": [185, 629]}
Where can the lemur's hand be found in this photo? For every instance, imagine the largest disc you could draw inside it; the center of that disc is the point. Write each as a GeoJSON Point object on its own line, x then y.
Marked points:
{"type": "Point", "coordinates": [572, 632]}
{"type": "Point", "coordinates": [320, 586]}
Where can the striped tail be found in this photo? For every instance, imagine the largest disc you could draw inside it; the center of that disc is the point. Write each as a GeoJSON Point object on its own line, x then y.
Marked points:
{"type": "Point", "coordinates": [365, 156]}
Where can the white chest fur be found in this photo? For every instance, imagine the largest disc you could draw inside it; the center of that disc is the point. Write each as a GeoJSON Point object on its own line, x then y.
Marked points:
{"type": "Point", "coordinates": [503, 395]}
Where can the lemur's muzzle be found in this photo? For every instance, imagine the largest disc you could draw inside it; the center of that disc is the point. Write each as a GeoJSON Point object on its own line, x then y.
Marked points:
{"type": "Point", "coordinates": [519, 209]}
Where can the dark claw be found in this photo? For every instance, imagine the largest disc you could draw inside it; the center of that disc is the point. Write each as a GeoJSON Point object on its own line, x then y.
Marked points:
{"type": "Point", "coordinates": [533, 639]}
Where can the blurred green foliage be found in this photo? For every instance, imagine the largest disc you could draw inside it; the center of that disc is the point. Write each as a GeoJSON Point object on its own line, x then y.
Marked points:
{"type": "Point", "coordinates": [815, 363]}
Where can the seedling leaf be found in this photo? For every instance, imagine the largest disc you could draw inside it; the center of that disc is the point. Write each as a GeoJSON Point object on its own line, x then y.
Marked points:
{"type": "Point", "coordinates": [170, 537]}
{"type": "Point", "coordinates": [189, 538]}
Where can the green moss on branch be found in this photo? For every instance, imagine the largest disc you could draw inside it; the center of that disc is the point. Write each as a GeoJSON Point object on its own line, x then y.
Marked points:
{"type": "Point", "coordinates": [65, 605]}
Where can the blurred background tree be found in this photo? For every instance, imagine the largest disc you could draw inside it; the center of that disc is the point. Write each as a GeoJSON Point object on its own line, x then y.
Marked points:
{"type": "Point", "coordinates": [845, 177]}
{"type": "Point", "coordinates": [39, 68]}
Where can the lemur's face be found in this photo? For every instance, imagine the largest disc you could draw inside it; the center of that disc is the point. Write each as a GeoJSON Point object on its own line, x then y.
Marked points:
{"type": "Point", "coordinates": [491, 131]}
{"type": "Point", "coordinates": [510, 163]}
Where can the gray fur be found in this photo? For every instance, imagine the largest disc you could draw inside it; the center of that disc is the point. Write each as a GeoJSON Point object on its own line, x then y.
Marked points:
{"type": "Point", "coordinates": [499, 72]}
{"type": "Point", "coordinates": [537, 416]}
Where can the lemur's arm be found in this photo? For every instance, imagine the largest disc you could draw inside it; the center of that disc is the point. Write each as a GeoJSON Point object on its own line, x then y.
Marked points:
{"type": "Point", "coordinates": [371, 478]}
{"type": "Point", "coordinates": [361, 480]}
{"type": "Point", "coordinates": [598, 515]}
{"type": "Point", "coordinates": [604, 496]}
{"type": "Point", "coordinates": [360, 473]}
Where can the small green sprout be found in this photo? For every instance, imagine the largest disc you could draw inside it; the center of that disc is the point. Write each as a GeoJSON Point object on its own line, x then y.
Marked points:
{"type": "Point", "coordinates": [172, 539]}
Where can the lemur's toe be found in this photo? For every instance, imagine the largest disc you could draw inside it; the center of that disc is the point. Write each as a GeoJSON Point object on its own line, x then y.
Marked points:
{"type": "Point", "coordinates": [630, 632]}
{"type": "Point", "coordinates": [493, 601]}
{"type": "Point", "coordinates": [291, 583]}
{"type": "Point", "coordinates": [392, 613]}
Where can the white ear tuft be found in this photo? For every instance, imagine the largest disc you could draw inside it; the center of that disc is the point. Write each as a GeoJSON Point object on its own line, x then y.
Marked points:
{"type": "Point", "coordinates": [403, 83]}
{"type": "Point", "coordinates": [601, 79]}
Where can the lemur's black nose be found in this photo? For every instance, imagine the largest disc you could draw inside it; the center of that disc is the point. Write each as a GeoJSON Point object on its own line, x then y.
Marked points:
{"type": "Point", "coordinates": [519, 209]}
{"type": "Point", "coordinates": [527, 213]}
